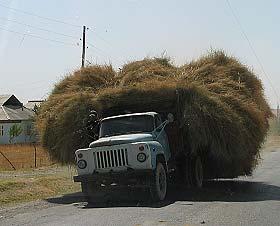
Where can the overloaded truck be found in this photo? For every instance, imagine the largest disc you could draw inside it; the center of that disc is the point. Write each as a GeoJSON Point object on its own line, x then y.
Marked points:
{"type": "Point", "coordinates": [141, 150]}
{"type": "Point", "coordinates": [220, 122]}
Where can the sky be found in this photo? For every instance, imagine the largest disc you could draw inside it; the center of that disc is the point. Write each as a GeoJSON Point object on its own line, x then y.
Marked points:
{"type": "Point", "coordinates": [33, 59]}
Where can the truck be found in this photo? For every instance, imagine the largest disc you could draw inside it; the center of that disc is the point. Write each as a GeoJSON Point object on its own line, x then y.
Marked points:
{"type": "Point", "coordinates": [138, 150]}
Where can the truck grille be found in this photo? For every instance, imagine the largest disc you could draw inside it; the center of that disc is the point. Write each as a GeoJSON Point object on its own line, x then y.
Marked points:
{"type": "Point", "coordinates": [110, 158]}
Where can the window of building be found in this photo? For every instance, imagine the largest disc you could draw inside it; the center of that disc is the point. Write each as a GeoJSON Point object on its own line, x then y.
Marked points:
{"type": "Point", "coordinates": [1, 130]}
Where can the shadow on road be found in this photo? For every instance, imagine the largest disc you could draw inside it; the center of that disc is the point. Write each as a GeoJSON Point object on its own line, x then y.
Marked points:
{"type": "Point", "coordinates": [217, 190]}
{"type": "Point", "coordinates": [67, 199]}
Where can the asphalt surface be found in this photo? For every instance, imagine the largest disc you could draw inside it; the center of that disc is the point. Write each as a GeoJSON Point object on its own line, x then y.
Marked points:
{"type": "Point", "coordinates": [245, 201]}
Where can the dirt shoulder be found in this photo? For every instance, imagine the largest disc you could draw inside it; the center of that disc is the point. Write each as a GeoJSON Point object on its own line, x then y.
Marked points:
{"type": "Point", "coordinates": [23, 186]}
{"type": "Point", "coordinates": [272, 143]}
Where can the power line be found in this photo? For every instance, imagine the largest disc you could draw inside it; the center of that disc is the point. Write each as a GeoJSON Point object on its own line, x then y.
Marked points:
{"type": "Point", "coordinates": [101, 38]}
{"type": "Point", "coordinates": [38, 16]}
{"type": "Point", "coordinates": [252, 49]}
{"type": "Point", "coordinates": [39, 28]}
{"type": "Point", "coordinates": [106, 41]}
{"type": "Point", "coordinates": [103, 52]}
{"type": "Point", "coordinates": [38, 37]}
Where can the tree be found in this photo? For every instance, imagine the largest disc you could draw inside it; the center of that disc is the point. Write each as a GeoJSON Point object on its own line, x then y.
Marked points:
{"type": "Point", "coordinates": [14, 132]}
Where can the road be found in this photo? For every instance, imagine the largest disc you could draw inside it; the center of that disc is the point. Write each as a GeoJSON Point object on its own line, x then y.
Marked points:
{"type": "Point", "coordinates": [245, 201]}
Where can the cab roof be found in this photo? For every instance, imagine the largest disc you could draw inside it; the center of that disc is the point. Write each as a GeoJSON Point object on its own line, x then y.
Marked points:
{"type": "Point", "coordinates": [132, 114]}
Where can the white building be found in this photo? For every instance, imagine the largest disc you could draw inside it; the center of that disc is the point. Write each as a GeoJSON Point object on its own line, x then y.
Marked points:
{"type": "Point", "coordinates": [16, 121]}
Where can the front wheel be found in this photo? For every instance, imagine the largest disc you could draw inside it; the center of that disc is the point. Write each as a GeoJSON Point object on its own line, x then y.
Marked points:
{"type": "Point", "coordinates": [159, 183]}
{"type": "Point", "coordinates": [85, 190]}
{"type": "Point", "coordinates": [93, 192]}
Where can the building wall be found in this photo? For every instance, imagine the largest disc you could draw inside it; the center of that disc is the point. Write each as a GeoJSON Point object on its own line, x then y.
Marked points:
{"type": "Point", "coordinates": [24, 137]}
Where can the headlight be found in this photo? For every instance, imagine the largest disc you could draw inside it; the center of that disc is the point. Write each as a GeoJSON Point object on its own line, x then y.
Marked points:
{"type": "Point", "coordinates": [141, 157]}
{"type": "Point", "coordinates": [82, 164]}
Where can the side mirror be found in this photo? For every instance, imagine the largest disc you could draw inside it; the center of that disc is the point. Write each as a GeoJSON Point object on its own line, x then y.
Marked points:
{"type": "Point", "coordinates": [93, 115]}
{"type": "Point", "coordinates": [170, 117]}
{"type": "Point", "coordinates": [159, 129]}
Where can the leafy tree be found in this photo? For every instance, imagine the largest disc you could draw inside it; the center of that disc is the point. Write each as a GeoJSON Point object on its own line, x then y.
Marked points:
{"type": "Point", "coordinates": [14, 132]}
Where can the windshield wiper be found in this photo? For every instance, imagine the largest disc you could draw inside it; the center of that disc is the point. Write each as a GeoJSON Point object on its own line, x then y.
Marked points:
{"type": "Point", "coordinates": [123, 133]}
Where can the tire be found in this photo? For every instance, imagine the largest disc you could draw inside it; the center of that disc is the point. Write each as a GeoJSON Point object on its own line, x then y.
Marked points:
{"type": "Point", "coordinates": [85, 190]}
{"type": "Point", "coordinates": [158, 187]}
{"type": "Point", "coordinates": [197, 172]}
{"type": "Point", "coordinates": [84, 187]}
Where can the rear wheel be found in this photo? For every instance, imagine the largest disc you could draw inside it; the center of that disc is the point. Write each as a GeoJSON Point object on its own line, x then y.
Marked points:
{"type": "Point", "coordinates": [159, 183]}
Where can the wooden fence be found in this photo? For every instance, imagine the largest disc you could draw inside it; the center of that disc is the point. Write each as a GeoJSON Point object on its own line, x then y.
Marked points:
{"type": "Point", "coordinates": [19, 156]}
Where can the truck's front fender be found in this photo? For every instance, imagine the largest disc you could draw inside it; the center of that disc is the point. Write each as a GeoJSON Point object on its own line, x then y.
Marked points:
{"type": "Point", "coordinates": [156, 149]}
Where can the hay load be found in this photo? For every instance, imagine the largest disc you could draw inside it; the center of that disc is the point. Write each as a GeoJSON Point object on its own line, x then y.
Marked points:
{"type": "Point", "coordinates": [62, 118]}
{"type": "Point", "coordinates": [146, 70]}
{"type": "Point", "coordinates": [218, 104]}
{"type": "Point", "coordinates": [90, 79]}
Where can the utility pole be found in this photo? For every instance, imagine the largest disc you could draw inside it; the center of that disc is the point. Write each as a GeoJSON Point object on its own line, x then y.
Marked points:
{"type": "Point", "coordinates": [84, 46]}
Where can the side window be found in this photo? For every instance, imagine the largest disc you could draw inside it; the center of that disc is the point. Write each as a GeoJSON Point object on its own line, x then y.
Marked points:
{"type": "Point", "coordinates": [158, 121]}
{"type": "Point", "coordinates": [1, 130]}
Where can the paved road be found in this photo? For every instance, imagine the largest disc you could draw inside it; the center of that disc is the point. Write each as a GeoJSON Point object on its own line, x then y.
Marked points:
{"type": "Point", "coordinates": [247, 201]}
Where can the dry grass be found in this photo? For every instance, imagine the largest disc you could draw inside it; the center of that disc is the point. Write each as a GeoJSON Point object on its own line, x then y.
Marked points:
{"type": "Point", "coordinates": [63, 124]}
{"type": "Point", "coordinates": [29, 185]}
{"type": "Point", "coordinates": [22, 156]}
{"type": "Point", "coordinates": [91, 79]}
{"type": "Point", "coordinates": [146, 70]}
{"type": "Point", "coordinates": [218, 102]}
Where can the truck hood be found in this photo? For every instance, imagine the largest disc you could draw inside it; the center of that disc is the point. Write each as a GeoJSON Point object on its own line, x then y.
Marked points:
{"type": "Point", "coordinates": [121, 139]}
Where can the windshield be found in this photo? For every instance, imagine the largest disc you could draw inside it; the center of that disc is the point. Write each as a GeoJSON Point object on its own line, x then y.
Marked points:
{"type": "Point", "coordinates": [126, 125]}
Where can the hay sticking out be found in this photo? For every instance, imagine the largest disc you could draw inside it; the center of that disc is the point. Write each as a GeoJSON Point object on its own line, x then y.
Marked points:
{"type": "Point", "coordinates": [146, 70]}
{"type": "Point", "coordinates": [63, 124]}
{"type": "Point", "coordinates": [91, 78]}
{"type": "Point", "coordinates": [218, 103]}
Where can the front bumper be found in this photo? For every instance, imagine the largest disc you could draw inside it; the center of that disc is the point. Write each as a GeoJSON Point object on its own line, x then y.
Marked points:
{"type": "Point", "coordinates": [140, 177]}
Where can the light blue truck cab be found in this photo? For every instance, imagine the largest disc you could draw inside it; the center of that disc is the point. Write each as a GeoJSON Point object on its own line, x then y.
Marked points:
{"type": "Point", "coordinates": [131, 149]}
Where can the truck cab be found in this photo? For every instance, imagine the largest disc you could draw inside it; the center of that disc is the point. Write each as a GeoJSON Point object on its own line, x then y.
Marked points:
{"type": "Point", "coordinates": [132, 149]}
